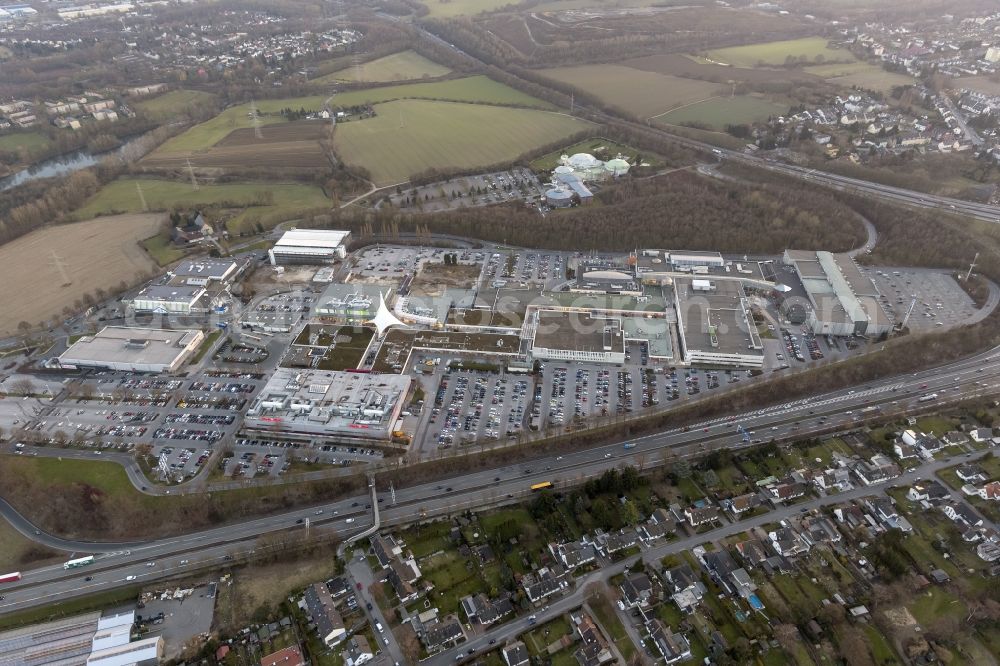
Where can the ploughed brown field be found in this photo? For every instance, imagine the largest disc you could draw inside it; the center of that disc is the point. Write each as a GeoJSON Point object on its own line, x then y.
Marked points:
{"type": "Point", "coordinates": [295, 144]}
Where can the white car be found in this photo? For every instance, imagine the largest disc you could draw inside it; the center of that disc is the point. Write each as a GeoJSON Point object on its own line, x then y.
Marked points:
{"type": "Point", "coordinates": [349, 521]}
{"type": "Point", "coordinates": [129, 577]}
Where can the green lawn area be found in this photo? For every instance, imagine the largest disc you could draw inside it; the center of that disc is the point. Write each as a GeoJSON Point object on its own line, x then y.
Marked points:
{"type": "Point", "coordinates": [207, 344]}
{"type": "Point", "coordinates": [407, 136]}
{"type": "Point", "coordinates": [601, 149]}
{"type": "Point", "coordinates": [934, 603]}
{"type": "Point", "coordinates": [18, 552]}
{"type": "Point", "coordinates": [167, 104]}
{"type": "Point", "coordinates": [838, 69]}
{"type": "Point", "coordinates": [608, 619]}
{"type": "Point", "coordinates": [162, 250]}
{"type": "Point", "coordinates": [30, 141]}
{"type": "Point", "coordinates": [263, 200]}
{"type": "Point", "coordinates": [539, 638]}
{"type": "Point", "coordinates": [721, 111]}
{"type": "Point", "coordinates": [347, 354]}
{"type": "Point", "coordinates": [402, 66]}
{"type": "Point", "coordinates": [470, 89]}
{"type": "Point", "coordinates": [937, 425]}
{"type": "Point", "coordinates": [775, 53]}
{"type": "Point", "coordinates": [879, 646]}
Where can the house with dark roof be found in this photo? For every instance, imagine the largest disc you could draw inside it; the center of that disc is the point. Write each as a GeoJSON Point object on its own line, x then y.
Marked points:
{"type": "Point", "coordinates": [685, 587]}
{"type": "Point", "coordinates": [962, 513]}
{"type": "Point", "coordinates": [752, 551]}
{"type": "Point", "coordinates": [787, 491]}
{"type": "Point", "coordinates": [515, 654]}
{"type": "Point", "coordinates": [385, 549]}
{"type": "Point", "coordinates": [930, 490]}
{"type": "Point", "coordinates": [636, 590]}
{"type": "Point", "coordinates": [541, 584]}
{"type": "Point", "coordinates": [697, 516]}
{"type": "Point", "coordinates": [971, 473]}
{"type": "Point", "coordinates": [650, 531]}
{"type": "Point", "coordinates": [573, 555]}
{"type": "Point", "coordinates": [442, 634]}
{"type": "Point", "coordinates": [358, 651]}
{"type": "Point", "coordinates": [401, 576]}
{"type": "Point", "coordinates": [485, 611]}
{"type": "Point", "coordinates": [743, 504]}
{"type": "Point", "coordinates": [610, 543]}
{"type": "Point", "coordinates": [885, 512]}
{"type": "Point", "coordinates": [673, 647]}
{"type": "Point", "coordinates": [594, 648]}
{"type": "Point", "coordinates": [787, 543]}
{"type": "Point", "coordinates": [320, 606]}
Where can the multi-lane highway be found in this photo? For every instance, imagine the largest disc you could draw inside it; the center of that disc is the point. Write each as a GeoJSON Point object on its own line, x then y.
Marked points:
{"type": "Point", "coordinates": [976, 376]}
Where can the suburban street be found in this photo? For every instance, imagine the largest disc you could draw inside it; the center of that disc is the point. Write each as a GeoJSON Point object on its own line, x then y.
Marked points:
{"type": "Point", "coordinates": [975, 376]}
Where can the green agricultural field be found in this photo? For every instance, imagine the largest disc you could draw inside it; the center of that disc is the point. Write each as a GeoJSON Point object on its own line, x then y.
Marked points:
{"type": "Point", "coordinates": [264, 201]}
{"type": "Point", "coordinates": [839, 69]}
{"type": "Point", "coordinates": [167, 104]}
{"type": "Point", "coordinates": [637, 91]}
{"type": "Point", "coordinates": [408, 136]}
{"type": "Point", "coordinates": [718, 113]}
{"type": "Point", "coordinates": [402, 66]}
{"type": "Point", "coordinates": [876, 79]}
{"type": "Point", "coordinates": [470, 89]}
{"type": "Point", "coordinates": [775, 53]}
{"type": "Point", "coordinates": [30, 141]}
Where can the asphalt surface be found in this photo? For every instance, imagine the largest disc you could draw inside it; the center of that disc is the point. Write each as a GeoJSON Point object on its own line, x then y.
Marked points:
{"type": "Point", "coordinates": [794, 419]}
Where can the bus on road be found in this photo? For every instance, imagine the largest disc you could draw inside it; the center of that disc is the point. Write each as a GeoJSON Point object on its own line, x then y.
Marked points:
{"type": "Point", "coordinates": [79, 562]}
{"type": "Point", "coordinates": [542, 486]}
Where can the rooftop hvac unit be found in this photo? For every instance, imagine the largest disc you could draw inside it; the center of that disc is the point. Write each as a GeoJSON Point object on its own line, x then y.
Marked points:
{"type": "Point", "coordinates": [138, 343]}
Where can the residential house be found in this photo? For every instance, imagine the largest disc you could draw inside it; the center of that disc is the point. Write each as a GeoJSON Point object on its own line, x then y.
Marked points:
{"type": "Point", "coordinates": [685, 587]}
{"type": "Point", "coordinates": [752, 551]}
{"type": "Point", "coordinates": [971, 473]}
{"type": "Point", "coordinates": [515, 654]}
{"type": "Point", "coordinates": [402, 576]}
{"type": "Point", "coordinates": [742, 583]}
{"type": "Point", "coordinates": [594, 649]}
{"type": "Point", "coordinates": [697, 516]}
{"type": "Point", "coordinates": [743, 504]}
{"type": "Point", "coordinates": [991, 491]}
{"type": "Point", "coordinates": [442, 634]}
{"type": "Point", "coordinates": [787, 491]}
{"type": "Point", "coordinates": [787, 543]}
{"type": "Point", "coordinates": [719, 565]}
{"type": "Point", "coordinates": [290, 656]}
{"type": "Point", "coordinates": [636, 590]}
{"type": "Point", "coordinates": [541, 584]}
{"type": "Point", "coordinates": [904, 451]}
{"type": "Point", "coordinates": [954, 438]}
{"type": "Point", "coordinates": [819, 529]}
{"type": "Point", "coordinates": [385, 549]}
{"type": "Point", "coordinates": [960, 512]}
{"type": "Point", "coordinates": [319, 604]}
{"type": "Point", "coordinates": [885, 512]}
{"type": "Point", "coordinates": [875, 472]}
{"type": "Point", "coordinates": [337, 586]}
{"type": "Point", "coordinates": [980, 435]}
{"type": "Point", "coordinates": [927, 491]}
{"type": "Point", "coordinates": [574, 555]}
{"type": "Point", "coordinates": [484, 611]}
{"type": "Point", "coordinates": [358, 651]}
{"type": "Point", "coordinates": [674, 647]}
{"type": "Point", "coordinates": [650, 531]}
{"type": "Point", "coordinates": [611, 543]}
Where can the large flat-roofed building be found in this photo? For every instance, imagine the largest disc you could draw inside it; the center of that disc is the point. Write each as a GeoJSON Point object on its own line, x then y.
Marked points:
{"type": "Point", "coordinates": [309, 246]}
{"type": "Point", "coordinates": [355, 303]}
{"type": "Point", "coordinates": [843, 301]}
{"type": "Point", "coordinates": [204, 271]}
{"type": "Point", "coordinates": [598, 279]}
{"type": "Point", "coordinates": [88, 639]}
{"type": "Point", "coordinates": [170, 299]}
{"type": "Point", "coordinates": [655, 265]}
{"type": "Point", "coordinates": [328, 403]}
{"type": "Point", "coordinates": [133, 349]}
{"type": "Point", "coordinates": [714, 322]}
{"type": "Point", "coordinates": [572, 336]}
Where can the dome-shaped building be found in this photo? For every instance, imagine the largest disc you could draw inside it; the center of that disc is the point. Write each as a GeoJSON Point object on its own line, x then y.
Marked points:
{"type": "Point", "coordinates": [582, 161]}
{"type": "Point", "coordinates": [559, 197]}
{"type": "Point", "coordinates": [564, 169]}
{"type": "Point", "coordinates": [616, 167]}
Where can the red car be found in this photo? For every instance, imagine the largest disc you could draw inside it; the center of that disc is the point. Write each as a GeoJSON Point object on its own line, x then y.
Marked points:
{"type": "Point", "coordinates": [359, 586]}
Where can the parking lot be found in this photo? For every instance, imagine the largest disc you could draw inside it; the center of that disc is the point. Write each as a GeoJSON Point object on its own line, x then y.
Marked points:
{"type": "Point", "coordinates": [518, 184]}
{"type": "Point", "coordinates": [504, 269]}
{"type": "Point", "coordinates": [940, 301]}
{"type": "Point", "coordinates": [471, 405]}
{"type": "Point", "coordinates": [394, 263]}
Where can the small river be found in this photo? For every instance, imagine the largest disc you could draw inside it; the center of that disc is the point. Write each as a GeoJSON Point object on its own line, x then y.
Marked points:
{"type": "Point", "coordinates": [59, 166]}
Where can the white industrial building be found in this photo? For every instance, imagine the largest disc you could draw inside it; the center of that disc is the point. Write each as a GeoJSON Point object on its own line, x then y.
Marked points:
{"type": "Point", "coordinates": [329, 403]}
{"type": "Point", "coordinates": [170, 299]}
{"type": "Point", "coordinates": [133, 349]}
{"type": "Point", "coordinates": [309, 246]}
{"type": "Point", "coordinates": [204, 271]}
{"type": "Point", "coordinates": [714, 323]}
{"type": "Point", "coordinates": [843, 301]}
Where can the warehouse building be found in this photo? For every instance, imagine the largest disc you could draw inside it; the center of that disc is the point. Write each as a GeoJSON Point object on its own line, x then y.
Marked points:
{"type": "Point", "coordinates": [572, 336]}
{"type": "Point", "coordinates": [133, 349]}
{"type": "Point", "coordinates": [657, 265]}
{"type": "Point", "coordinates": [714, 322]}
{"type": "Point", "coordinates": [82, 639]}
{"type": "Point", "coordinates": [354, 303]}
{"type": "Point", "coordinates": [843, 301]}
{"type": "Point", "coordinates": [309, 246]}
{"type": "Point", "coordinates": [171, 299]}
{"type": "Point", "coordinates": [327, 403]}
{"type": "Point", "coordinates": [203, 272]}
{"type": "Point", "coordinates": [601, 279]}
